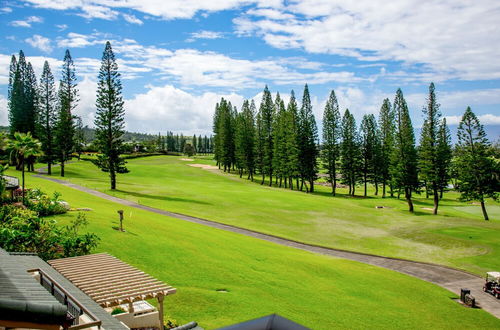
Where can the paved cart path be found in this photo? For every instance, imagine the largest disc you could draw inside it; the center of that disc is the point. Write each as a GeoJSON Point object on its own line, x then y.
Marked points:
{"type": "Point", "coordinates": [446, 277]}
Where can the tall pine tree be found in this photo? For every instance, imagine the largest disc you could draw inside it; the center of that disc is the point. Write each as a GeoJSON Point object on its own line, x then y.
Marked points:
{"type": "Point", "coordinates": [369, 150]}
{"type": "Point", "coordinates": [350, 152]}
{"type": "Point", "coordinates": [331, 139]}
{"type": "Point", "coordinates": [429, 160]}
{"type": "Point", "coordinates": [266, 112]}
{"type": "Point", "coordinates": [110, 117]}
{"type": "Point", "coordinates": [477, 171]}
{"type": "Point", "coordinates": [68, 99]}
{"type": "Point", "coordinates": [292, 163]}
{"type": "Point", "coordinates": [308, 137]}
{"type": "Point", "coordinates": [404, 165]}
{"type": "Point", "coordinates": [387, 131]}
{"type": "Point", "coordinates": [47, 115]}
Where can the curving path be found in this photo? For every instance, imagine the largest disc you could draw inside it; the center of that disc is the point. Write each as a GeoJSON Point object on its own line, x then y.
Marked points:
{"type": "Point", "coordinates": [446, 277]}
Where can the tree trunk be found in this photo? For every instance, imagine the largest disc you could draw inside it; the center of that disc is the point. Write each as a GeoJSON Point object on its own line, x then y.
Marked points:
{"type": "Point", "coordinates": [334, 184]}
{"type": "Point", "coordinates": [112, 174]}
{"type": "Point", "coordinates": [483, 208]}
{"type": "Point", "coordinates": [366, 187]}
{"type": "Point", "coordinates": [311, 183]}
{"type": "Point", "coordinates": [353, 188]}
{"type": "Point", "coordinates": [383, 189]}
{"type": "Point", "coordinates": [281, 179]}
{"type": "Point", "coordinates": [441, 192]}
{"type": "Point", "coordinates": [62, 168]}
{"type": "Point", "coordinates": [392, 190]}
{"type": "Point", "coordinates": [49, 168]}
{"type": "Point", "coordinates": [436, 201]}
{"type": "Point", "coordinates": [333, 187]}
{"type": "Point", "coordinates": [376, 188]}
{"type": "Point", "coordinates": [408, 200]}
{"type": "Point", "coordinates": [263, 178]}
{"type": "Point", "coordinates": [241, 173]}
{"type": "Point", "coordinates": [22, 169]}
{"type": "Point", "coordinates": [426, 190]}
{"type": "Point", "coordinates": [270, 179]}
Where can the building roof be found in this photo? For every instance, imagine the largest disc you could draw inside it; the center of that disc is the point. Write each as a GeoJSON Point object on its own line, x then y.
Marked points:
{"type": "Point", "coordinates": [22, 298]}
{"type": "Point", "coordinates": [269, 322]}
{"type": "Point", "coordinates": [108, 280]}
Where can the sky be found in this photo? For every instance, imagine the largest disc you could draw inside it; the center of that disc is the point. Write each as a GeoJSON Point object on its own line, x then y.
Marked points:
{"type": "Point", "coordinates": [177, 58]}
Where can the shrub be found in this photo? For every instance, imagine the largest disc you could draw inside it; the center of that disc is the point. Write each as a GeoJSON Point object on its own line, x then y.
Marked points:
{"type": "Point", "coordinates": [118, 310]}
{"type": "Point", "coordinates": [43, 204]}
{"type": "Point", "coordinates": [22, 230]}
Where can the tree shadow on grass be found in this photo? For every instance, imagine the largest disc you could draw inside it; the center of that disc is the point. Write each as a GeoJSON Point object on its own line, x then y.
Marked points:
{"type": "Point", "coordinates": [162, 198]}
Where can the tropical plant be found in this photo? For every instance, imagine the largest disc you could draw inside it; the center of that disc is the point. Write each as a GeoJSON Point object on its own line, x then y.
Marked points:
{"type": "Point", "coordinates": [22, 147]}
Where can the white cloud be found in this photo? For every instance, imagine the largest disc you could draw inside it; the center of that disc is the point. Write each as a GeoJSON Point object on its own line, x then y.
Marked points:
{"type": "Point", "coordinates": [205, 35]}
{"type": "Point", "coordinates": [167, 108]}
{"type": "Point", "coordinates": [77, 40]}
{"type": "Point", "coordinates": [191, 67]}
{"type": "Point", "coordinates": [4, 112]}
{"type": "Point", "coordinates": [132, 19]}
{"type": "Point", "coordinates": [6, 10]}
{"type": "Point", "coordinates": [27, 22]}
{"type": "Point", "coordinates": [172, 9]}
{"type": "Point", "coordinates": [61, 27]}
{"type": "Point", "coordinates": [102, 12]}
{"type": "Point", "coordinates": [457, 39]}
{"type": "Point", "coordinates": [40, 42]}
{"type": "Point", "coordinates": [20, 24]}
{"type": "Point", "coordinates": [486, 119]}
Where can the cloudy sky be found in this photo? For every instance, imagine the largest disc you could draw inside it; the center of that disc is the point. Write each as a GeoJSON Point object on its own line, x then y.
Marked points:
{"type": "Point", "coordinates": [178, 57]}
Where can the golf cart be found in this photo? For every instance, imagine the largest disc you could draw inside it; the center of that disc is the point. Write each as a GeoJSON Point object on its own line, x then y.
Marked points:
{"type": "Point", "coordinates": [492, 284]}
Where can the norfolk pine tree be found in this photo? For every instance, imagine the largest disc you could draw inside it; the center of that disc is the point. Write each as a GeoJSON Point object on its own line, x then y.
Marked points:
{"type": "Point", "coordinates": [47, 115]}
{"type": "Point", "coordinates": [350, 152]}
{"type": "Point", "coordinates": [266, 112]}
{"type": "Point", "coordinates": [429, 160]}
{"type": "Point", "coordinates": [279, 152]}
{"type": "Point", "coordinates": [68, 98]}
{"type": "Point", "coordinates": [404, 156]}
{"type": "Point", "coordinates": [477, 170]}
{"type": "Point", "coordinates": [369, 150]}
{"type": "Point", "coordinates": [109, 117]}
{"type": "Point", "coordinates": [387, 127]}
{"type": "Point", "coordinates": [308, 136]}
{"type": "Point", "coordinates": [331, 139]}
{"type": "Point", "coordinates": [292, 163]}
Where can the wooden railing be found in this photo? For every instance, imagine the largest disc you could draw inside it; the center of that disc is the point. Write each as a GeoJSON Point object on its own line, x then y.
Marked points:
{"type": "Point", "coordinates": [75, 308]}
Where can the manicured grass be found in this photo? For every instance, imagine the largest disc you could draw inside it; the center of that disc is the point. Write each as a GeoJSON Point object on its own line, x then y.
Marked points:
{"type": "Point", "coordinates": [342, 222]}
{"type": "Point", "coordinates": [262, 277]}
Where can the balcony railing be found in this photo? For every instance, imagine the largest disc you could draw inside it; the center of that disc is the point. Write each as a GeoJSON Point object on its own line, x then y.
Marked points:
{"type": "Point", "coordinates": [75, 308]}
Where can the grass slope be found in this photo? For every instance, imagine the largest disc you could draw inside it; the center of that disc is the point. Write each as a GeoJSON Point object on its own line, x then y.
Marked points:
{"type": "Point", "coordinates": [262, 277]}
{"type": "Point", "coordinates": [457, 236]}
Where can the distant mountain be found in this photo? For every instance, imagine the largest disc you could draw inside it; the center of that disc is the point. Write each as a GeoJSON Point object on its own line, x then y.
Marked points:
{"type": "Point", "coordinates": [89, 134]}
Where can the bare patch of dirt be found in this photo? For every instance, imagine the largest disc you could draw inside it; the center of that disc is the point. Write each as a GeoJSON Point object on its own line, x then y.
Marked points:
{"type": "Point", "coordinates": [187, 159]}
{"type": "Point", "coordinates": [427, 209]}
{"type": "Point", "coordinates": [204, 166]}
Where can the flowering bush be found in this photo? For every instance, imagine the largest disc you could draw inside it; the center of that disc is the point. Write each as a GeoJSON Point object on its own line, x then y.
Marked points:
{"type": "Point", "coordinates": [43, 204]}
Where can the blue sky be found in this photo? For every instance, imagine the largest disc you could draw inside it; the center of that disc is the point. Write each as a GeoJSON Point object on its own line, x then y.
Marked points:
{"type": "Point", "coordinates": [178, 57]}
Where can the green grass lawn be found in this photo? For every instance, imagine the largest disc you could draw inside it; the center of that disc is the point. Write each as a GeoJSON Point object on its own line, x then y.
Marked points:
{"type": "Point", "coordinates": [260, 277]}
{"type": "Point", "coordinates": [342, 222]}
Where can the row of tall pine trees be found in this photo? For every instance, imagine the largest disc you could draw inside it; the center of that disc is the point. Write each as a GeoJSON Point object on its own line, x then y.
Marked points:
{"type": "Point", "coordinates": [280, 142]}
{"type": "Point", "coordinates": [47, 114]}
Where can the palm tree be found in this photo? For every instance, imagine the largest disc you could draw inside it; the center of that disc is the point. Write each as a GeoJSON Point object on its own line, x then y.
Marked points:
{"type": "Point", "coordinates": [23, 146]}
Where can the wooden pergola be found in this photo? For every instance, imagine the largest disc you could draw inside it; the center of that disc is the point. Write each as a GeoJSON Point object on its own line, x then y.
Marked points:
{"type": "Point", "coordinates": [111, 282]}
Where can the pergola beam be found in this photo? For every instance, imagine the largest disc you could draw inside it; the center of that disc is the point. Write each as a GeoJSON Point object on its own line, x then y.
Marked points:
{"type": "Point", "coordinates": [110, 281]}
